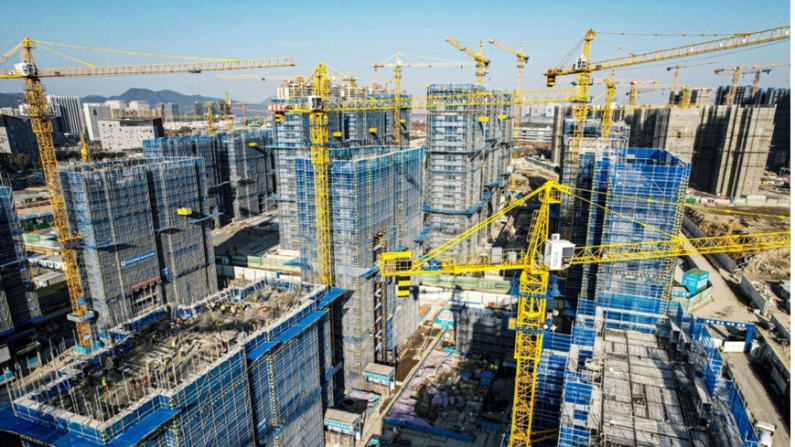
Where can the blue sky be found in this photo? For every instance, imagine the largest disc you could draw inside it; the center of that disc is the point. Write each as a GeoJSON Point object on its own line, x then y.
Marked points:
{"type": "Point", "coordinates": [352, 35]}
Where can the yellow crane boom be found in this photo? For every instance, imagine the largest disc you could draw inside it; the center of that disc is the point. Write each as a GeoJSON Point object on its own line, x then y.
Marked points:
{"type": "Point", "coordinates": [481, 63]}
{"type": "Point", "coordinates": [583, 67]}
{"type": "Point", "coordinates": [256, 77]}
{"type": "Point", "coordinates": [756, 69]}
{"type": "Point", "coordinates": [31, 74]}
{"type": "Point", "coordinates": [535, 267]}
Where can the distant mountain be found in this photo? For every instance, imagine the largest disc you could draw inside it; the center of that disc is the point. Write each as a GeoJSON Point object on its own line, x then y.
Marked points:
{"type": "Point", "coordinates": [10, 99]}
{"type": "Point", "coordinates": [93, 99]}
{"type": "Point", "coordinates": [185, 102]}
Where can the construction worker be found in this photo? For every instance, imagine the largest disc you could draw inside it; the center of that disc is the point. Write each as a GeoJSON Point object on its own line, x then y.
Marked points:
{"type": "Point", "coordinates": [223, 308]}
{"type": "Point", "coordinates": [174, 343]}
{"type": "Point", "coordinates": [105, 384]}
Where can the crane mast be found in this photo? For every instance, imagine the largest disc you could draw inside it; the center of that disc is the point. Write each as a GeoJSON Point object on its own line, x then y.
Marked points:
{"type": "Point", "coordinates": [521, 60]}
{"type": "Point", "coordinates": [42, 127]}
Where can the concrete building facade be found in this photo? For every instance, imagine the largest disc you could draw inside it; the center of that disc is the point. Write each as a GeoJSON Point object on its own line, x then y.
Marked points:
{"type": "Point", "coordinates": [126, 134]}
{"type": "Point", "coordinates": [92, 113]}
{"type": "Point", "coordinates": [731, 150]}
{"type": "Point", "coordinates": [69, 109]}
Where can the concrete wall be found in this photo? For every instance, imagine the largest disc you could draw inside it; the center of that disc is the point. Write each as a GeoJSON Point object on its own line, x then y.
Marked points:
{"type": "Point", "coordinates": [731, 150]}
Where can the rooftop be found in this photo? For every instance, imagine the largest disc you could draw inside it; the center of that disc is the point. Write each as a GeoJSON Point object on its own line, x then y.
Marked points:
{"type": "Point", "coordinates": [157, 353]}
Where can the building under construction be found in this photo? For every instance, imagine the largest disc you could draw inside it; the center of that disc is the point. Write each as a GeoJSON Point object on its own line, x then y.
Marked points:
{"type": "Point", "coordinates": [239, 171]}
{"type": "Point", "coordinates": [145, 240]}
{"type": "Point", "coordinates": [376, 205]}
{"type": "Point", "coordinates": [467, 163]}
{"type": "Point", "coordinates": [248, 365]}
{"type": "Point", "coordinates": [19, 305]}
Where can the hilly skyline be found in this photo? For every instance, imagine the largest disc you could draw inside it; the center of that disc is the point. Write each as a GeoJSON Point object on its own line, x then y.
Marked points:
{"type": "Point", "coordinates": [185, 102]}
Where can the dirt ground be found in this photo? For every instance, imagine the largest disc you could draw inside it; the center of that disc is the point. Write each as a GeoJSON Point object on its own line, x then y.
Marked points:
{"type": "Point", "coordinates": [771, 265]}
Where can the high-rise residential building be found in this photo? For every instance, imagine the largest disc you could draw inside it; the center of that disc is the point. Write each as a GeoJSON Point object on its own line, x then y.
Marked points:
{"type": "Point", "coordinates": [128, 133]}
{"type": "Point", "coordinates": [376, 206]}
{"type": "Point", "coordinates": [69, 109]}
{"type": "Point", "coordinates": [168, 109]}
{"type": "Point", "coordinates": [467, 165]}
{"type": "Point", "coordinates": [138, 251]}
{"type": "Point", "coordinates": [92, 113]}
{"type": "Point", "coordinates": [200, 375]}
{"type": "Point", "coordinates": [239, 171]}
{"type": "Point", "coordinates": [19, 305]}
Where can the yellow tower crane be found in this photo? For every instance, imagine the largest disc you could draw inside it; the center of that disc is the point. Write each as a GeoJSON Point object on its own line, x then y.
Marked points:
{"type": "Point", "coordinates": [684, 100]}
{"type": "Point", "coordinates": [678, 68]}
{"type": "Point", "coordinates": [521, 60]}
{"type": "Point", "coordinates": [526, 348]}
{"type": "Point", "coordinates": [85, 153]}
{"type": "Point", "coordinates": [31, 74]}
{"type": "Point", "coordinates": [583, 67]}
{"type": "Point", "coordinates": [547, 253]}
{"type": "Point", "coordinates": [481, 63]}
{"type": "Point", "coordinates": [607, 112]}
{"type": "Point", "coordinates": [228, 116]}
{"type": "Point", "coordinates": [399, 65]}
{"type": "Point", "coordinates": [756, 69]}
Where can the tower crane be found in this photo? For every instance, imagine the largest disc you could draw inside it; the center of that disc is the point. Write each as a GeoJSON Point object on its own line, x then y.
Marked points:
{"type": "Point", "coordinates": [528, 347]}
{"type": "Point", "coordinates": [521, 59]}
{"type": "Point", "coordinates": [317, 107]}
{"type": "Point", "coordinates": [584, 66]}
{"type": "Point", "coordinates": [547, 253]}
{"type": "Point", "coordinates": [677, 68]}
{"type": "Point", "coordinates": [607, 112]}
{"type": "Point", "coordinates": [398, 65]}
{"type": "Point", "coordinates": [757, 69]}
{"type": "Point", "coordinates": [685, 89]}
{"type": "Point", "coordinates": [481, 63]}
{"type": "Point", "coordinates": [31, 74]}
{"type": "Point", "coordinates": [228, 117]}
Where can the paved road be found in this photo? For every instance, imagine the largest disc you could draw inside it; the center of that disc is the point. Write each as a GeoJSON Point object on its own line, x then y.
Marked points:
{"type": "Point", "coordinates": [758, 398]}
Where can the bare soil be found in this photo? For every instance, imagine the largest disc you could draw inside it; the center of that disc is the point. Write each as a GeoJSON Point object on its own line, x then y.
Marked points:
{"type": "Point", "coordinates": [770, 265]}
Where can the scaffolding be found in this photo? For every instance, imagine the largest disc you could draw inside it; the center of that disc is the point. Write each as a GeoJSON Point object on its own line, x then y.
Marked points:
{"type": "Point", "coordinates": [238, 169]}
{"type": "Point", "coordinates": [247, 365]}
{"type": "Point", "coordinates": [136, 251]}
{"type": "Point", "coordinates": [18, 303]}
{"type": "Point", "coordinates": [468, 159]}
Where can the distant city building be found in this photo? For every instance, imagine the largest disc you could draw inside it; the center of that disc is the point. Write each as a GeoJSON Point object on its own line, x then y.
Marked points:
{"type": "Point", "coordinates": [125, 134]}
{"type": "Point", "coordinates": [116, 104]}
{"type": "Point", "coordinates": [68, 108]}
{"type": "Point", "coordinates": [139, 106]}
{"type": "Point", "coordinates": [9, 111]}
{"type": "Point", "coordinates": [92, 113]}
{"type": "Point", "coordinates": [168, 109]}
{"type": "Point", "coordinates": [535, 134]}
{"type": "Point", "coordinates": [17, 137]}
